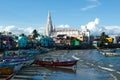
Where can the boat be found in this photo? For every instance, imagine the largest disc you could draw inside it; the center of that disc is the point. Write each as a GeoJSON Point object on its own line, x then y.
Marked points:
{"type": "Point", "coordinates": [14, 54]}
{"type": "Point", "coordinates": [24, 61]}
{"type": "Point", "coordinates": [51, 62]}
{"type": "Point", "coordinates": [108, 54]}
{"type": "Point", "coordinates": [6, 69]}
{"type": "Point", "coordinates": [17, 57]}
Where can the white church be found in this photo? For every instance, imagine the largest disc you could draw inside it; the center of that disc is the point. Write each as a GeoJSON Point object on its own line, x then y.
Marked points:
{"type": "Point", "coordinates": [51, 31]}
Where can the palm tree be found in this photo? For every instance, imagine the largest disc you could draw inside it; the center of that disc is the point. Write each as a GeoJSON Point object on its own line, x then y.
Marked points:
{"type": "Point", "coordinates": [35, 33]}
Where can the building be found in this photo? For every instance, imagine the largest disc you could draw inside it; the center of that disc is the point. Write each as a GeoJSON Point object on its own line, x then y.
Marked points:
{"type": "Point", "coordinates": [83, 35]}
{"type": "Point", "coordinates": [22, 41]}
{"type": "Point", "coordinates": [49, 27]}
{"type": "Point", "coordinates": [67, 32]}
{"type": "Point", "coordinates": [6, 41]}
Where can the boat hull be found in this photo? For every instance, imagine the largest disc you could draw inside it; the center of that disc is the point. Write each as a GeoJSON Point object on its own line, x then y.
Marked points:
{"type": "Point", "coordinates": [55, 64]}
{"type": "Point", "coordinates": [6, 70]}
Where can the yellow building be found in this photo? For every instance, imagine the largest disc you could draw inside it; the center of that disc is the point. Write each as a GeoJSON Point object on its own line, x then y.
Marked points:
{"type": "Point", "coordinates": [110, 40]}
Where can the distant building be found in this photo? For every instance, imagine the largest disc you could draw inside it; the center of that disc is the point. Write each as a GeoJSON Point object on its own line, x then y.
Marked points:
{"type": "Point", "coordinates": [50, 31]}
{"type": "Point", "coordinates": [67, 32]}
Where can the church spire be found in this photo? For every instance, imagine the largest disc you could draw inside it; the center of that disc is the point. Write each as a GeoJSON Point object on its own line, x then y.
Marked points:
{"type": "Point", "coordinates": [49, 27]}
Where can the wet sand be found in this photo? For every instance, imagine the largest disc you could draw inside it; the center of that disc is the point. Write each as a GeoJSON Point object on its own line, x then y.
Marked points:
{"type": "Point", "coordinates": [89, 67]}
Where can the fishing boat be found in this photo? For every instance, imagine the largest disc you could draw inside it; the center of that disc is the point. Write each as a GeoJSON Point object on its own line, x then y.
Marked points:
{"type": "Point", "coordinates": [5, 69]}
{"type": "Point", "coordinates": [24, 61]}
{"type": "Point", "coordinates": [14, 54]}
{"type": "Point", "coordinates": [18, 57]}
{"type": "Point", "coordinates": [51, 62]}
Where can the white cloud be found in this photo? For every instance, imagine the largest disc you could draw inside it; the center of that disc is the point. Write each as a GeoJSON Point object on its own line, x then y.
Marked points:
{"type": "Point", "coordinates": [96, 29]}
{"type": "Point", "coordinates": [113, 30]}
{"type": "Point", "coordinates": [63, 26]}
{"type": "Point", "coordinates": [88, 7]}
{"type": "Point", "coordinates": [19, 30]}
{"type": "Point", "coordinates": [95, 3]}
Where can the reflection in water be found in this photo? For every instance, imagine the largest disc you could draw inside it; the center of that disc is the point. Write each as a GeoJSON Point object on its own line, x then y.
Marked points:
{"type": "Point", "coordinates": [65, 70]}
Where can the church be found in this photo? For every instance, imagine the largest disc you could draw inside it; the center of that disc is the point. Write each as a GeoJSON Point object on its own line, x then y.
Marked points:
{"type": "Point", "coordinates": [51, 31]}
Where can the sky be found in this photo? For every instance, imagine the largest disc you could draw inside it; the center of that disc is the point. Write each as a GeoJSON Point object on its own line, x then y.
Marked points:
{"type": "Point", "coordinates": [23, 16]}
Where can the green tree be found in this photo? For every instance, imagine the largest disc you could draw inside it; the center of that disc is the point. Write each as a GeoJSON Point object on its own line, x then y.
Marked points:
{"type": "Point", "coordinates": [22, 34]}
{"type": "Point", "coordinates": [103, 38]}
{"type": "Point", "coordinates": [0, 33]}
{"type": "Point", "coordinates": [35, 34]}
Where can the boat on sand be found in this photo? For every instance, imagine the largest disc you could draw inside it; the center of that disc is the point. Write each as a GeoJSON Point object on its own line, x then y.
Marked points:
{"type": "Point", "coordinates": [56, 63]}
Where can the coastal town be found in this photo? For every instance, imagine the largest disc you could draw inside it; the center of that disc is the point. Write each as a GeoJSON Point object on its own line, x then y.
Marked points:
{"type": "Point", "coordinates": [28, 52]}
{"type": "Point", "coordinates": [58, 39]}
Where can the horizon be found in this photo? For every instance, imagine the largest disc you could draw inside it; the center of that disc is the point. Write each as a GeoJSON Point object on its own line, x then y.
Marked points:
{"type": "Point", "coordinates": [27, 15]}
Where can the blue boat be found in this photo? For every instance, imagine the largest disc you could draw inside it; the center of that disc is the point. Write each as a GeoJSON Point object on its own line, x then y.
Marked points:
{"type": "Point", "coordinates": [15, 57]}
{"type": "Point", "coordinates": [8, 68]}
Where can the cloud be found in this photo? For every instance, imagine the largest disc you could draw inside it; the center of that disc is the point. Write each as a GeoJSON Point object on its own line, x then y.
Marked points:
{"type": "Point", "coordinates": [95, 3]}
{"type": "Point", "coordinates": [88, 7]}
{"type": "Point", "coordinates": [19, 30]}
{"type": "Point", "coordinates": [96, 29]}
{"type": "Point", "coordinates": [113, 30]}
{"type": "Point", "coordinates": [63, 26]}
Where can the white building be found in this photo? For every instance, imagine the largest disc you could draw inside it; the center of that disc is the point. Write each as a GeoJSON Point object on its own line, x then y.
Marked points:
{"type": "Point", "coordinates": [67, 32]}
{"type": "Point", "coordinates": [86, 33]}
{"type": "Point", "coordinates": [51, 32]}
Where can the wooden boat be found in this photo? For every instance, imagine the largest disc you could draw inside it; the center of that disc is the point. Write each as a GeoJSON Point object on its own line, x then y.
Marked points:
{"type": "Point", "coordinates": [17, 57]}
{"type": "Point", "coordinates": [107, 54]}
{"type": "Point", "coordinates": [9, 65]}
{"type": "Point", "coordinates": [24, 61]}
{"type": "Point", "coordinates": [6, 70]}
{"type": "Point", "coordinates": [50, 62]}
{"type": "Point", "coordinates": [15, 54]}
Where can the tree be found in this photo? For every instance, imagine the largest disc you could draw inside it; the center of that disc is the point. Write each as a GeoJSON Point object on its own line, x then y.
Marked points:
{"type": "Point", "coordinates": [0, 33]}
{"type": "Point", "coordinates": [22, 34]}
{"type": "Point", "coordinates": [103, 38]}
{"type": "Point", "coordinates": [35, 34]}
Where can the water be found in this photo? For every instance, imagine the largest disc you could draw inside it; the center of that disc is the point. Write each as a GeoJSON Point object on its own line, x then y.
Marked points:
{"type": "Point", "coordinates": [92, 65]}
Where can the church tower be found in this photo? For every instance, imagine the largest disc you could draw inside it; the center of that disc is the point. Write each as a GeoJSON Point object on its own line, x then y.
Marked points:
{"type": "Point", "coordinates": [49, 26]}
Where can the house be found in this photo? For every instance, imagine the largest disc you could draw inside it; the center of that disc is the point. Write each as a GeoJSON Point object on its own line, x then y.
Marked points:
{"type": "Point", "coordinates": [6, 42]}
{"type": "Point", "coordinates": [46, 41]}
{"type": "Point", "coordinates": [22, 41]}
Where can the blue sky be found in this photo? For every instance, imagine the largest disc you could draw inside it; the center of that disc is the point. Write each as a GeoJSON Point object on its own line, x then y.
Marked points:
{"type": "Point", "coordinates": [74, 13]}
